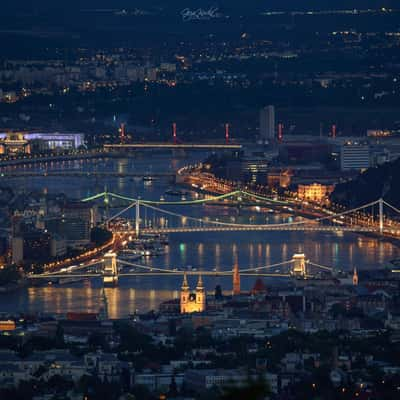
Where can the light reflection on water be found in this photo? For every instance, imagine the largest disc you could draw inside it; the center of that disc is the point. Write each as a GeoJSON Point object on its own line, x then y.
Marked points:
{"type": "Point", "coordinates": [204, 251]}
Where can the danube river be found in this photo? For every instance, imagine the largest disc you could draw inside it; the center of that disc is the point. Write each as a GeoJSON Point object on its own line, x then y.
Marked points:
{"type": "Point", "coordinates": [203, 251]}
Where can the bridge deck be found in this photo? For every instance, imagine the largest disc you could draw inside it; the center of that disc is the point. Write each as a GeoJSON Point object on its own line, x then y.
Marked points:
{"type": "Point", "coordinates": [81, 174]}
{"type": "Point", "coordinates": [166, 273]}
{"type": "Point", "coordinates": [315, 228]}
{"type": "Point", "coordinates": [188, 146]}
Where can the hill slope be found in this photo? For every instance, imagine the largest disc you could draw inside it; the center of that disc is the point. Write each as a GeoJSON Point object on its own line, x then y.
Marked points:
{"type": "Point", "coordinates": [382, 181]}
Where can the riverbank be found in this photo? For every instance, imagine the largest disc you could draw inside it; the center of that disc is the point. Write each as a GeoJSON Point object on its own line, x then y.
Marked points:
{"type": "Point", "coordinates": [40, 158]}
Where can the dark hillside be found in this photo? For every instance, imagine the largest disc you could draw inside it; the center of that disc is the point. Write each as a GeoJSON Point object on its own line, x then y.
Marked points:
{"type": "Point", "coordinates": [382, 181]}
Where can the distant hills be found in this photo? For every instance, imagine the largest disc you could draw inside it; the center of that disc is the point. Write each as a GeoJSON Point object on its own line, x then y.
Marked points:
{"type": "Point", "coordinates": [231, 5]}
{"type": "Point", "coordinates": [382, 181]}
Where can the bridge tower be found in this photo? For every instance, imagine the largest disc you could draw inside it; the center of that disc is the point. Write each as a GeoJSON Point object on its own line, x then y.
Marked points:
{"type": "Point", "coordinates": [122, 133]}
{"type": "Point", "coordinates": [174, 136]}
{"type": "Point", "coordinates": [333, 131]}
{"type": "Point", "coordinates": [236, 280]}
{"type": "Point", "coordinates": [106, 203]}
{"type": "Point", "coordinates": [227, 133]}
{"type": "Point", "coordinates": [110, 273]}
{"type": "Point", "coordinates": [299, 265]}
{"type": "Point", "coordinates": [381, 216]}
{"type": "Point", "coordinates": [137, 218]}
{"type": "Point", "coordinates": [280, 132]}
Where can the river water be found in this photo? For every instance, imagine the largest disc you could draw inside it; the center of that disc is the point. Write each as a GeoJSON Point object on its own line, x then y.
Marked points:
{"type": "Point", "coordinates": [203, 251]}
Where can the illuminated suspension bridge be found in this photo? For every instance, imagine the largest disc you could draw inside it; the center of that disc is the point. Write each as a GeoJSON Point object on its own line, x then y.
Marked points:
{"type": "Point", "coordinates": [370, 217]}
{"type": "Point", "coordinates": [111, 268]}
{"type": "Point", "coordinates": [367, 218]}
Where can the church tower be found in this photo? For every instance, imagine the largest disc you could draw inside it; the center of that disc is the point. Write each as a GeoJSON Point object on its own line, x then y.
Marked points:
{"type": "Point", "coordinates": [192, 302]}
{"type": "Point", "coordinates": [200, 295]}
{"type": "Point", "coordinates": [185, 293]}
{"type": "Point", "coordinates": [236, 280]}
{"type": "Point", "coordinates": [355, 277]}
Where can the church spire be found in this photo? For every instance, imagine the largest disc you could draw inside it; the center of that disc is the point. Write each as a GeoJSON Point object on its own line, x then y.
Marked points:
{"type": "Point", "coordinates": [185, 284]}
{"type": "Point", "coordinates": [355, 277]}
{"type": "Point", "coordinates": [200, 283]}
{"type": "Point", "coordinates": [236, 280]}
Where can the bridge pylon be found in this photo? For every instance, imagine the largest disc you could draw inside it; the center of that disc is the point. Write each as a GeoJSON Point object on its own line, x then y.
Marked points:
{"type": "Point", "coordinates": [110, 271]}
{"type": "Point", "coordinates": [299, 265]}
{"type": "Point", "coordinates": [137, 218]}
{"type": "Point", "coordinates": [380, 216]}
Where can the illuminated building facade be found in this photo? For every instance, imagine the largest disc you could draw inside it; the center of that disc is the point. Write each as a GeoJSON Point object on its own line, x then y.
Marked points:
{"type": "Point", "coordinates": [22, 142]}
{"type": "Point", "coordinates": [279, 178]}
{"type": "Point", "coordinates": [14, 143]}
{"type": "Point", "coordinates": [314, 192]}
{"type": "Point", "coordinates": [192, 302]}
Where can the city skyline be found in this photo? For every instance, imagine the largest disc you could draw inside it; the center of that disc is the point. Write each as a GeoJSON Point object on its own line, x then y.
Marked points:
{"type": "Point", "coordinates": [199, 200]}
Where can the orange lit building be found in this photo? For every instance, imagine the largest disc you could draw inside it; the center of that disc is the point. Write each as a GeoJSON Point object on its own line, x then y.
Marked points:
{"type": "Point", "coordinates": [8, 325]}
{"type": "Point", "coordinates": [279, 178]}
{"type": "Point", "coordinates": [192, 302]}
{"type": "Point", "coordinates": [314, 192]}
{"type": "Point", "coordinates": [14, 143]}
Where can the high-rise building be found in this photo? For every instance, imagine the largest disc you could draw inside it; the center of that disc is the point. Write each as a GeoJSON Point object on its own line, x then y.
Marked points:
{"type": "Point", "coordinates": [267, 123]}
{"type": "Point", "coordinates": [74, 224]}
{"type": "Point", "coordinates": [31, 246]}
{"type": "Point", "coordinates": [354, 156]}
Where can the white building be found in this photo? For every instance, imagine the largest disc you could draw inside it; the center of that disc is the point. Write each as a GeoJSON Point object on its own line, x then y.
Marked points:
{"type": "Point", "coordinates": [205, 379]}
{"type": "Point", "coordinates": [267, 123]}
{"type": "Point", "coordinates": [354, 156]}
{"type": "Point", "coordinates": [158, 381]}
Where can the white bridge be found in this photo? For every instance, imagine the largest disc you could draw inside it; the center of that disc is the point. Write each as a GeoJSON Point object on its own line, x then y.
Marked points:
{"type": "Point", "coordinates": [369, 218]}
{"type": "Point", "coordinates": [110, 270]}
{"type": "Point", "coordinates": [266, 227]}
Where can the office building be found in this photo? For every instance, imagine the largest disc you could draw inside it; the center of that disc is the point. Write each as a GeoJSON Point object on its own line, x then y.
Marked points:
{"type": "Point", "coordinates": [74, 224]}
{"type": "Point", "coordinates": [31, 246]}
{"type": "Point", "coordinates": [58, 246]}
{"type": "Point", "coordinates": [354, 156]}
{"type": "Point", "coordinates": [267, 123]}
